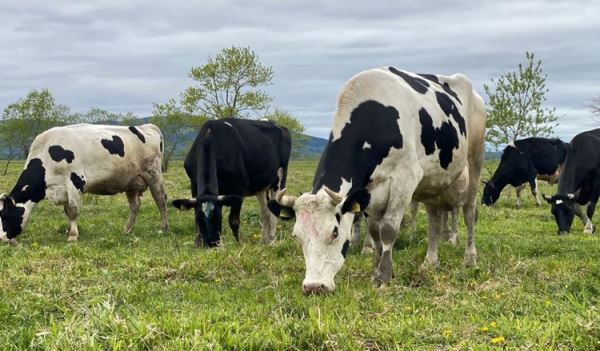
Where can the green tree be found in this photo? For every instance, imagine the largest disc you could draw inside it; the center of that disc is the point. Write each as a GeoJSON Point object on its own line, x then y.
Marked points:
{"type": "Point", "coordinates": [229, 85]}
{"type": "Point", "coordinates": [100, 116]}
{"type": "Point", "coordinates": [515, 105]}
{"type": "Point", "coordinates": [285, 119]}
{"type": "Point", "coordinates": [175, 125]}
{"type": "Point", "coordinates": [25, 119]}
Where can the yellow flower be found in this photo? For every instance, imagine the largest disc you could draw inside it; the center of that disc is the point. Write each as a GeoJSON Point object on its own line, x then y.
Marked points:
{"type": "Point", "coordinates": [218, 280]}
{"type": "Point", "coordinates": [497, 340]}
{"type": "Point", "coordinates": [548, 302]}
{"type": "Point", "coordinates": [484, 329]}
{"type": "Point", "coordinates": [446, 333]}
{"type": "Point", "coordinates": [493, 324]}
{"type": "Point", "coordinates": [408, 308]}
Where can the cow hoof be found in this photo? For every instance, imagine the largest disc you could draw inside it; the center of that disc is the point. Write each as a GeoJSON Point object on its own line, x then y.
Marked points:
{"type": "Point", "coordinates": [72, 238]}
{"type": "Point", "coordinates": [453, 240]}
{"type": "Point", "coordinates": [588, 231]}
{"type": "Point", "coordinates": [429, 265]}
{"type": "Point", "coordinates": [267, 241]}
{"type": "Point", "coordinates": [470, 261]}
{"type": "Point", "coordinates": [366, 251]}
{"type": "Point", "coordinates": [380, 282]}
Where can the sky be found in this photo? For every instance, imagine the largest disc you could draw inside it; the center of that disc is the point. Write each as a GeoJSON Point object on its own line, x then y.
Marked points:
{"type": "Point", "coordinates": [123, 56]}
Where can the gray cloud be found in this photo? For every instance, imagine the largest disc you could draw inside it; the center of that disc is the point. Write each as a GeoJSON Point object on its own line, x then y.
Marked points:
{"type": "Point", "coordinates": [124, 56]}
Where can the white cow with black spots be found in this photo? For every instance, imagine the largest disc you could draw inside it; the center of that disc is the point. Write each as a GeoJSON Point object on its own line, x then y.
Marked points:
{"type": "Point", "coordinates": [65, 162]}
{"type": "Point", "coordinates": [425, 137]}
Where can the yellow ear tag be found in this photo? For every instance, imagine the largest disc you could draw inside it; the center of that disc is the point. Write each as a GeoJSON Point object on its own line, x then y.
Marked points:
{"type": "Point", "coordinates": [355, 207]}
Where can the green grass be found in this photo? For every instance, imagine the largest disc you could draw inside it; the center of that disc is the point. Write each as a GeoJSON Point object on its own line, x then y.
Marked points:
{"type": "Point", "coordinates": [532, 289]}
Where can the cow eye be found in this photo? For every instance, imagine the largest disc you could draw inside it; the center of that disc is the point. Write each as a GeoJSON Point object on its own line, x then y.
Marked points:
{"type": "Point", "coordinates": [335, 232]}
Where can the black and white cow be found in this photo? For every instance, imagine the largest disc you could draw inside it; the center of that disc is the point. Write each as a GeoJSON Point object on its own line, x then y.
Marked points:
{"type": "Point", "coordinates": [232, 158]}
{"type": "Point", "coordinates": [579, 183]}
{"type": "Point", "coordinates": [524, 162]}
{"type": "Point", "coordinates": [66, 162]}
{"type": "Point", "coordinates": [396, 137]}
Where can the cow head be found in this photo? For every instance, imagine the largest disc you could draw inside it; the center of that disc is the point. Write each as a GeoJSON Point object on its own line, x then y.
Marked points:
{"type": "Point", "coordinates": [491, 193]}
{"type": "Point", "coordinates": [323, 225]}
{"type": "Point", "coordinates": [11, 218]}
{"type": "Point", "coordinates": [563, 211]}
{"type": "Point", "coordinates": [208, 210]}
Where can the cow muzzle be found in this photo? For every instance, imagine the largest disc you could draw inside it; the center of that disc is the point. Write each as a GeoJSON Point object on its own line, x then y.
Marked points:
{"type": "Point", "coordinates": [315, 287]}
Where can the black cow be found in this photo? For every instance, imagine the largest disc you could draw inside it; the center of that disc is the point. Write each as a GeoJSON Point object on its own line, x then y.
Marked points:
{"type": "Point", "coordinates": [579, 183]}
{"type": "Point", "coordinates": [525, 161]}
{"type": "Point", "coordinates": [232, 158]}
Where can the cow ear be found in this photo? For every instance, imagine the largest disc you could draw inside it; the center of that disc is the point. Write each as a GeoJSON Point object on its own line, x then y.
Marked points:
{"type": "Point", "coordinates": [229, 200]}
{"type": "Point", "coordinates": [548, 198]}
{"type": "Point", "coordinates": [184, 204]}
{"type": "Point", "coordinates": [283, 212]}
{"type": "Point", "coordinates": [575, 195]}
{"type": "Point", "coordinates": [356, 202]}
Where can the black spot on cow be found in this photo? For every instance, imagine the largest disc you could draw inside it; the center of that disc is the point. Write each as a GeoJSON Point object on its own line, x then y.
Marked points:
{"type": "Point", "coordinates": [418, 84]}
{"type": "Point", "coordinates": [12, 218]}
{"type": "Point", "coordinates": [77, 181]}
{"type": "Point", "coordinates": [136, 131]}
{"type": "Point", "coordinates": [345, 248]}
{"type": "Point", "coordinates": [444, 137]}
{"type": "Point", "coordinates": [114, 146]}
{"type": "Point", "coordinates": [31, 185]}
{"type": "Point", "coordinates": [370, 122]}
{"type": "Point", "coordinates": [161, 144]}
{"type": "Point", "coordinates": [57, 153]}
{"type": "Point", "coordinates": [338, 217]}
{"type": "Point", "coordinates": [445, 86]}
{"type": "Point", "coordinates": [450, 109]}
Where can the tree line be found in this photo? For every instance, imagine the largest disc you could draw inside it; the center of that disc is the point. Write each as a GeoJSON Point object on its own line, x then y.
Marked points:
{"type": "Point", "coordinates": [231, 85]}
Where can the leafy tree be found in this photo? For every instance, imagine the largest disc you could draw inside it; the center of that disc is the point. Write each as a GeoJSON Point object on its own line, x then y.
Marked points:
{"type": "Point", "coordinates": [515, 105]}
{"type": "Point", "coordinates": [175, 125]}
{"type": "Point", "coordinates": [25, 119]}
{"type": "Point", "coordinates": [100, 116]}
{"type": "Point", "coordinates": [285, 119]}
{"type": "Point", "coordinates": [228, 85]}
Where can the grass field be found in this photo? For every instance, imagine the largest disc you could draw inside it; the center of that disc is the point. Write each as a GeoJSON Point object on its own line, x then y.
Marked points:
{"type": "Point", "coordinates": [531, 290]}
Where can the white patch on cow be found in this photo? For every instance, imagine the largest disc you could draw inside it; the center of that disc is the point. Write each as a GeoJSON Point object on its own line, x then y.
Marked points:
{"type": "Point", "coordinates": [345, 187]}
{"type": "Point", "coordinates": [512, 144]}
{"type": "Point", "coordinates": [229, 124]}
{"type": "Point", "coordinates": [558, 202]}
{"type": "Point", "coordinates": [207, 207]}
{"type": "Point", "coordinates": [25, 187]}
{"type": "Point", "coordinates": [366, 145]}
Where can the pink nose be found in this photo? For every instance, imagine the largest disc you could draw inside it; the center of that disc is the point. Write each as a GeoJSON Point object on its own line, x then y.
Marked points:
{"type": "Point", "coordinates": [316, 288]}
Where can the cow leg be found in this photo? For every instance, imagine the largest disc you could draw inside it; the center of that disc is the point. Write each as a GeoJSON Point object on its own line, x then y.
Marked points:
{"type": "Point", "coordinates": [519, 189]}
{"type": "Point", "coordinates": [435, 220]}
{"type": "Point", "coordinates": [355, 231]}
{"type": "Point", "coordinates": [534, 191]}
{"type": "Point", "coordinates": [444, 229]}
{"type": "Point", "coordinates": [470, 216]}
{"type": "Point", "coordinates": [234, 219]}
{"type": "Point", "coordinates": [133, 197]}
{"type": "Point", "coordinates": [72, 230]}
{"type": "Point", "coordinates": [453, 232]}
{"type": "Point", "coordinates": [157, 189]}
{"type": "Point", "coordinates": [581, 214]}
{"type": "Point", "coordinates": [269, 221]}
{"type": "Point", "coordinates": [368, 243]}
{"type": "Point", "coordinates": [414, 208]}
{"type": "Point", "coordinates": [589, 226]}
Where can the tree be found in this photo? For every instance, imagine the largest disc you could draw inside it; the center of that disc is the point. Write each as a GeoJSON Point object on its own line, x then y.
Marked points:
{"type": "Point", "coordinates": [100, 116]}
{"type": "Point", "coordinates": [228, 85]}
{"type": "Point", "coordinates": [285, 119]}
{"type": "Point", "coordinates": [594, 106]}
{"type": "Point", "coordinates": [515, 105]}
{"type": "Point", "coordinates": [175, 125]}
{"type": "Point", "coordinates": [25, 119]}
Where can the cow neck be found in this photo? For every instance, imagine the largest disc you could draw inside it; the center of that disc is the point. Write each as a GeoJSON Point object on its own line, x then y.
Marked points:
{"type": "Point", "coordinates": [207, 169]}
{"type": "Point", "coordinates": [571, 178]}
{"type": "Point", "coordinates": [335, 166]}
{"type": "Point", "coordinates": [31, 185]}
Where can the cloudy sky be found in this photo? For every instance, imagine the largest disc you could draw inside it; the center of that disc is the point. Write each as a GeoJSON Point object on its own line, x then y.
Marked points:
{"type": "Point", "coordinates": [125, 55]}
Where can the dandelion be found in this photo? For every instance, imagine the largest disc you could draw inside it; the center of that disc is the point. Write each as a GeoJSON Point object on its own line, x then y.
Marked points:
{"type": "Point", "coordinates": [548, 302]}
{"type": "Point", "coordinates": [447, 333]}
{"type": "Point", "coordinates": [407, 308]}
{"type": "Point", "coordinates": [497, 340]}
{"type": "Point", "coordinates": [484, 329]}
{"type": "Point", "coordinates": [493, 324]}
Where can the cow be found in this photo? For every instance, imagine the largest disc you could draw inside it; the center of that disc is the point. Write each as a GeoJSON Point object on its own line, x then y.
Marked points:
{"type": "Point", "coordinates": [396, 136]}
{"type": "Point", "coordinates": [524, 162]}
{"type": "Point", "coordinates": [232, 158]}
{"type": "Point", "coordinates": [579, 183]}
{"type": "Point", "coordinates": [66, 162]}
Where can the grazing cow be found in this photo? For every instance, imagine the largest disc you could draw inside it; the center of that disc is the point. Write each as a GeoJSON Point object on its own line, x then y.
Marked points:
{"type": "Point", "coordinates": [232, 158]}
{"type": "Point", "coordinates": [525, 161]}
{"type": "Point", "coordinates": [396, 136]}
{"type": "Point", "coordinates": [579, 183]}
{"type": "Point", "coordinates": [66, 162]}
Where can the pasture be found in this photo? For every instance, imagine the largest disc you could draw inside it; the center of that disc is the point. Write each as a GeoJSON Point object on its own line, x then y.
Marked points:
{"type": "Point", "coordinates": [532, 289]}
